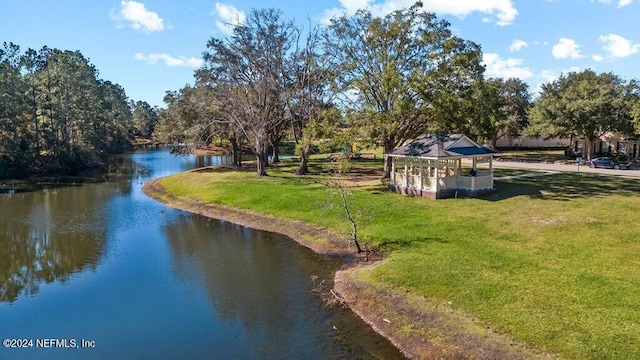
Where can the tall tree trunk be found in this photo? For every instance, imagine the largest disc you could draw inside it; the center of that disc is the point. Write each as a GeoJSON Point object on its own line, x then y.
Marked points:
{"type": "Point", "coordinates": [295, 130]}
{"type": "Point", "coordinates": [276, 152]}
{"type": "Point", "coordinates": [236, 152]}
{"type": "Point", "coordinates": [262, 156]}
{"type": "Point", "coordinates": [265, 153]}
{"type": "Point", "coordinates": [53, 131]}
{"type": "Point", "coordinates": [588, 147]}
{"type": "Point", "coordinates": [34, 108]}
{"type": "Point", "coordinates": [387, 145]}
{"type": "Point", "coordinates": [262, 164]}
{"type": "Point", "coordinates": [303, 167]}
{"type": "Point", "coordinates": [275, 140]}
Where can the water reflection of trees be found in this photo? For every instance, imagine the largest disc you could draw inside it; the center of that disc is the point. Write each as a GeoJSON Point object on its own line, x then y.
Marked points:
{"type": "Point", "coordinates": [46, 236]}
{"type": "Point", "coordinates": [255, 278]}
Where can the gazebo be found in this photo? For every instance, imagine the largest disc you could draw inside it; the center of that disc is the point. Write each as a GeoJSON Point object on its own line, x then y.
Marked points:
{"type": "Point", "coordinates": [431, 166]}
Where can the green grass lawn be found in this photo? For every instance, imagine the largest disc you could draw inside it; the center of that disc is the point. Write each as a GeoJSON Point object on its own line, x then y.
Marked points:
{"type": "Point", "coordinates": [547, 155]}
{"type": "Point", "coordinates": [554, 261]}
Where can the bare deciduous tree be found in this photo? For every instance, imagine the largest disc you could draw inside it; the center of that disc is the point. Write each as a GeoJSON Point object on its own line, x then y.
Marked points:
{"type": "Point", "coordinates": [252, 66]}
{"type": "Point", "coordinates": [340, 169]}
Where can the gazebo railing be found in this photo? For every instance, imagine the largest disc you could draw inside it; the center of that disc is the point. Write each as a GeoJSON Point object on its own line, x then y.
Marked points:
{"type": "Point", "coordinates": [464, 182]}
{"type": "Point", "coordinates": [483, 180]}
{"type": "Point", "coordinates": [478, 182]}
{"type": "Point", "coordinates": [414, 181]}
{"type": "Point", "coordinates": [448, 182]}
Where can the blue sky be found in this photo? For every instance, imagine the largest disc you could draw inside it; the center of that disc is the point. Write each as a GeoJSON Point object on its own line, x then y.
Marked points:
{"type": "Point", "coordinates": [151, 46]}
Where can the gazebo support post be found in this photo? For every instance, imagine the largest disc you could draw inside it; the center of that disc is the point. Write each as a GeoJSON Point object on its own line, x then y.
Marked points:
{"type": "Point", "coordinates": [473, 178]}
{"type": "Point", "coordinates": [406, 176]}
{"type": "Point", "coordinates": [420, 175]}
{"type": "Point", "coordinates": [437, 182]}
{"type": "Point", "coordinates": [393, 170]}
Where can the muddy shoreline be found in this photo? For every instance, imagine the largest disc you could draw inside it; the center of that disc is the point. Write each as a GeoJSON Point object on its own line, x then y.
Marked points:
{"type": "Point", "coordinates": [419, 327]}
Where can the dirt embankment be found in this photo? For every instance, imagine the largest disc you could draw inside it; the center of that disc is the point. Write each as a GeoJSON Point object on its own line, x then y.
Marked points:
{"type": "Point", "coordinates": [318, 239]}
{"type": "Point", "coordinates": [420, 328]}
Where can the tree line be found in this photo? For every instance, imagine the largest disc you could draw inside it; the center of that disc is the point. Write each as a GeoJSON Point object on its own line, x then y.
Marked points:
{"type": "Point", "coordinates": [378, 81]}
{"type": "Point", "coordinates": [57, 115]}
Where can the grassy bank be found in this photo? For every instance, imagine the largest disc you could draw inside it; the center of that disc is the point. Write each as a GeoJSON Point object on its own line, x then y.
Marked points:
{"type": "Point", "coordinates": [553, 261]}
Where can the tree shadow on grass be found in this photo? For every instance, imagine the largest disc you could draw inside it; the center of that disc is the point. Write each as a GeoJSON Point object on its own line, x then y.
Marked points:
{"type": "Point", "coordinates": [564, 187]}
{"type": "Point", "coordinates": [224, 168]}
{"type": "Point", "coordinates": [316, 168]}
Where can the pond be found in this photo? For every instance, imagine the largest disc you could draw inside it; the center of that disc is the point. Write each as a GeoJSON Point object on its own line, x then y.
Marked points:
{"type": "Point", "coordinates": [103, 271]}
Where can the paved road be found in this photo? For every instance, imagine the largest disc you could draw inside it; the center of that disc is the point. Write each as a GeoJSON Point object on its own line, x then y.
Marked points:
{"type": "Point", "coordinates": [634, 174]}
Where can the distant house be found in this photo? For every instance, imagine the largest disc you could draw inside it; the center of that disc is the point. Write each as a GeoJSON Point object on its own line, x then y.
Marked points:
{"type": "Point", "coordinates": [529, 142]}
{"type": "Point", "coordinates": [608, 144]}
{"type": "Point", "coordinates": [611, 144]}
{"type": "Point", "coordinates": [431, 166]}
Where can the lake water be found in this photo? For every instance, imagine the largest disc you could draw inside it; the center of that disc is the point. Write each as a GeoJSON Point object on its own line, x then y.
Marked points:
{"type": "Point", "coordinates": [105, 267]}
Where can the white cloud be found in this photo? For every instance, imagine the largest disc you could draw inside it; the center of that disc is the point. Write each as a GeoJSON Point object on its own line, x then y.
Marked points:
{"type": "Point", "coordinates": [169, 60]}
{"type": "Point", "coordinates": [518, 45]}
{"type": "Point", "coordinates": [621, 3]}
{"type": "Point", "coordinates": [351, 6]}
{"type": "Point", "coordinates": [138, 17]}
{"type": "Point", "coordinates": [566, 49]}
{"type": "Point", "coordinates": [348, 7]}
{"type": "Point", "coordinates": [549, 76]}
{"type": "Point", "coordinates": [505, 68]}
{"type": "Point", "coordinates": [552, 75]}
{"type": "Point", "coordinates": [229, 17]}
{"type": "Point", "coordinates": [597, 58]}
{"type": "Point", "coordinates": [503, 10]}
{"type": "Point", "coordinates": [617, 46]}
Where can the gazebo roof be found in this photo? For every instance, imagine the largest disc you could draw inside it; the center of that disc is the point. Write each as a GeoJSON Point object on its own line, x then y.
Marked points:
{"type": "Point", "coordinates": [439, 146]}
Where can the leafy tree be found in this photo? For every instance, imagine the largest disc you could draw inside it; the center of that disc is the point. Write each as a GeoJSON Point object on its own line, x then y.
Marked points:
{"type": "Point", "coordinates": [13, 132]}
{"type": "Point", "coordinates": [487, 118]}
{"type": "Point", "coordinates": [108, 132]}
{"type": "Point", "coordinates": [55, 113]}
{"type": "Point", "coordinates": [496, 108]}
{"type": "Point", "coordinates": [195, 116]}
{"type": "Point", "coordinates": [398, 73]}
{"type": "Point", "coordinates": [32, 62]}
{"type": "Point", "coordinates": [517, 105]}
{"type": "Point", "coordinates": [176, 122]}
{"type": "Point", "coordinates": [144, 119]}
{"type": "Point", "coordinates": [633, 89]}
{"type": "Point", "coordinates": [72, 101]}
{"type": "Point", "coordinates": [584, 104]}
